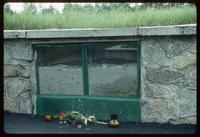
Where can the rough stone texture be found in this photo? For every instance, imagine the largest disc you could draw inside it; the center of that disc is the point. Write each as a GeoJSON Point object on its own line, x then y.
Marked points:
{"type": "Point", "coordinates": [10, 105]}
{"type": "Point", "coordinates": [168, 74]}
{"type": "Point", "coordinates": [18, 80]}
{"type": "Point", "coordinates": [16, 70]}
{"type": "Point", "coordinates": [158, 110]}
{"type": "Point", "coordinates": [18, 49]}
{"type": "Point", "coordinates": [163, 76]}
{"type": "Point", "coordinates": [33, 93]}
{"type": "Point", "coordinates": [186, 102]}
{"type": "Point", "coordinates": [168, 71]}
{"type": "Point", "coordinates": [183, 60]}
{"type": "Point", "coordinates": [15, 87]}
{"type": "Point", "coordinates": [25, 103]}
{"type": "Point", "coordinates": [191, 75]}
{"type": "Point", "coordinates": [158, 91]}
{"type": "Point", "coordinates": [174, 46]}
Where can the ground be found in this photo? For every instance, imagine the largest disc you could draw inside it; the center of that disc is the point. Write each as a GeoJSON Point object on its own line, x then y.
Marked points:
{"type": "Point", "coordinates": [32, 124]}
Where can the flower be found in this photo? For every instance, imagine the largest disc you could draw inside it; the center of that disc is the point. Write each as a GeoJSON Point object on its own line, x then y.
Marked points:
{"type": "Point", "coordinates": [62, 113]}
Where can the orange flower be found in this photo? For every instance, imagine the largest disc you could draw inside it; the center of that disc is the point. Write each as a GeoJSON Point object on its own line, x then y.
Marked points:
{"type": "Point", "coordinates": [47, 117]}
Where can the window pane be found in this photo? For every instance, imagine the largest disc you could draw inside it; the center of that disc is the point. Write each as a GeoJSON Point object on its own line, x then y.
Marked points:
{"type": "Point", "coordinates": [112, 70]}
{"type": "Point", "coordinates": [60, 70]}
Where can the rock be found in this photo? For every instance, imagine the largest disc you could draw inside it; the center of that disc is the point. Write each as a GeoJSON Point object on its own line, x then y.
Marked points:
{"type": "Point", "coordinates": [188, 120]}
{"type": "Point", "coordinates": [168, 78]}
{"type": "Point", "coordinates": [33, 107]}
{"type": "Point", "coordinates": [193, 44]}
{"type": "Point", "coordinates": [152, 54]}
{"type": "Point", "coordinates": [163, 75]}
{"type": "Point", "coordinates": [161, 91]}
{"type": "Point", "coordinates": [190, 73]}
{"type": "Point", "coordinates": [11, 106]}
{"type": "Point", "coordinates": [7, 52]}
{"type": "Point", "coordinates": [25, 103]}
{"type": "Point", "coordinates": [15, 86]}
{"type": "Point", "coordinates": [183, 60]}
{"type": "Point", "coordinates": [9, 71]}
{"type": "Point", "coordinates": [16, 71]}
{"type": "Point", "coordinates": [158, 110]}
{"type": "Point", "coordinates": [187, 102]}
{"type": "Point", "coordinates": [7, 58]}
{"type": "Point", "coordinates": [173, 46]}
{"type": "Point", "coordinates": [20, 49]}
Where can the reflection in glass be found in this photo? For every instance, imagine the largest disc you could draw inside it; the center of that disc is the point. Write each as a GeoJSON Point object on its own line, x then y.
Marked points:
{"type": "Point", "coordinates": [60, 70]}
{"type": "Point", "coordinates": [112, 70]}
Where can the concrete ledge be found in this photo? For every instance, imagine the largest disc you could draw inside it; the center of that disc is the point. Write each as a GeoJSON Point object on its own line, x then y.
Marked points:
{"type": "Point", "coordinates": [188, 29]}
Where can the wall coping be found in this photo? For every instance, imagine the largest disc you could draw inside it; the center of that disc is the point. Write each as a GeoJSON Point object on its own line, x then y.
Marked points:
{"type": "Point", "coordinates": [186, 29]}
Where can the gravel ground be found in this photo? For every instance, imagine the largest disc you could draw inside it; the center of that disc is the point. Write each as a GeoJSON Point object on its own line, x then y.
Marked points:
{"type": "Point", "coordinates": [28, 124]}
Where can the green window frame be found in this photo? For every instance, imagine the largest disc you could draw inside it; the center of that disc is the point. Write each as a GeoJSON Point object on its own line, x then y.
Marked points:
{"type": "Point", "coordinates": [84, 52]}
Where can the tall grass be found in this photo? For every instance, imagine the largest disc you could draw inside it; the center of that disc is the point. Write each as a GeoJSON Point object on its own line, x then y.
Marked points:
{"type": "Point", "coordinates": [106, 19]}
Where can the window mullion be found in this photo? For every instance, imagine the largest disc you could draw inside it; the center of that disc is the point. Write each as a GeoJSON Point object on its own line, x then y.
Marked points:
{"type": "Point", "coordinates": [85, 71]}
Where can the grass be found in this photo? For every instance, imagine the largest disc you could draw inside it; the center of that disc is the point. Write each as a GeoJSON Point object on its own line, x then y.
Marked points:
{"type": "Point", "coordinates": [106, 19]}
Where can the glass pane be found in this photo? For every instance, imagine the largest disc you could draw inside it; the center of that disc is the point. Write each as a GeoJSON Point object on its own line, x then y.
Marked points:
{"type": "Point", "coordinates": [112, 70]}
{"type": "Point", "coordinates": [60, 70]}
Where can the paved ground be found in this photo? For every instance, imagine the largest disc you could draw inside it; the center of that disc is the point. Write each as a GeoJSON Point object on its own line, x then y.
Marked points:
{"type": "Point", "coordinates": [23, 124]}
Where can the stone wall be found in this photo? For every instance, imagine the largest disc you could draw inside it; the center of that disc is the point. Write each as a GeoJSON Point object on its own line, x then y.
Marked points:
{"type": "Point", "coordinates": [168, 69]}
{"type": "Point", "coordinates": [168, 76]}
{"type": "Point", "coordinates": [19, 76]}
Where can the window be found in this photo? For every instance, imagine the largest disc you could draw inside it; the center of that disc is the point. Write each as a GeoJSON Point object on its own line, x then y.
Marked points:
{"type": "Point", "coordinates": [94, 69]}
{"type": "Point", "coordinates": [60, 70]}
{"type": "Point", "coordinates": [112, 70]}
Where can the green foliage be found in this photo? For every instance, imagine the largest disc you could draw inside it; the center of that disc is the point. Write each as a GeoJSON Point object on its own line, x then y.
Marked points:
{"type": "Point", "coordinates": [50, 10]}
{"type": "Point", "coordinates": [30, 8]}
{"type": "Point", "coordinates": [78, 117]}
{"type": "Point", "coordinates": [7, 9]}
{"type": "Point", "coordinates": [77, 17]}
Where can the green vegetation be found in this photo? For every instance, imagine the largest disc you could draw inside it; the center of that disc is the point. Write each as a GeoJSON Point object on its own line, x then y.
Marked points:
{"type": "Point", "coordinates": [92, 18]}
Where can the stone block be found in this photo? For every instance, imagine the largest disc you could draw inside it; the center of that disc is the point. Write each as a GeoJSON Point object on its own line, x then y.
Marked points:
{"type": "Point", "coordinates": [16, 86]}
{"type": "Point", "coordinates": [152, 54]}
{"type": "Point", "coordinates": [186, 120]}
{"type": "Point", "coordinates": [20, 70]}
{"type": "Point", "coordinates": [158, 110]}
{"type": "Point", "coordinates": [164, 76]}
{"type": "Point", "coordinates": [161, 91]}
{"type": "Point", "coordinates": [11, 106]}
{"type": "Point", "coordinates": [183, 60]}
{"type": "Point", "coordinates": [9, 71]}
{"type": "Point", "coordinates": [25, 103]}
{"type": "Point", "coordinates": [187, 102]}
{"type": "Point", "coordinates": [191, 75]}
{"type": "Point", "coordinates": [173, 46]}
{"type": "Point", "coordinates": [7, 53]}
{"type": "Point", "coordinates": [20, 49]}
